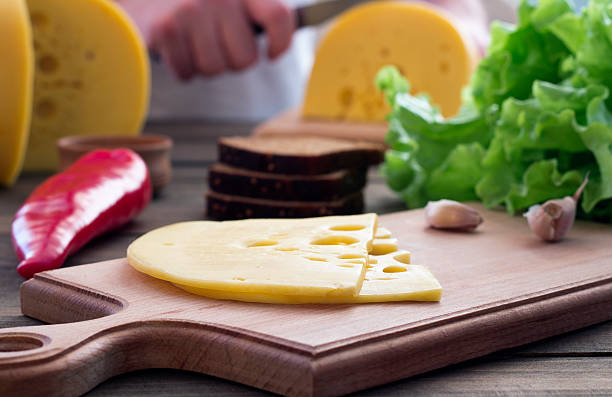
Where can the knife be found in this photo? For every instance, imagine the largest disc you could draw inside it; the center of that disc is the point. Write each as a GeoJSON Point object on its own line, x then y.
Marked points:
{"type": "Point", "coordinates": [317, 13]}
{"type": "Point", "coordinates": [308, 15]}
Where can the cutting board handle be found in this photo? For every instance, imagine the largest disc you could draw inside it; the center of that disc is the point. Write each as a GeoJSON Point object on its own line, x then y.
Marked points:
{"type": "Point", "coordinates": [60, 359]}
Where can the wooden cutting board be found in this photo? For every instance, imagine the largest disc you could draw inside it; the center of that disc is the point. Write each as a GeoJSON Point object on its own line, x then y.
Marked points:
{"type": "Point", "coordinates": [502, 288]}
{"type": "Point", "coordinates": [291, 122]}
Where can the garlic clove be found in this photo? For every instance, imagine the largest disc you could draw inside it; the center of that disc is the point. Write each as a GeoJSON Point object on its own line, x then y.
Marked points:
{"type": "Point", "coordinates": [452, 215]}
{"type": "Point", "coordinates": [552, 220]}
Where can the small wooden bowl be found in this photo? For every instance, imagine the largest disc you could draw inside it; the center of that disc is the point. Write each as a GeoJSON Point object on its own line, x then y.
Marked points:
{"type": "Point", "coordinates": [154, 150]}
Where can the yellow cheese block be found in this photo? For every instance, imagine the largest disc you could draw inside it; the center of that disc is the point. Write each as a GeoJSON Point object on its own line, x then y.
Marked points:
{"type": "Point", "coordinates": [16, 75]}
{"type": "Point", "coordinates": [92, 74]}
{"type": "Point", "coordinates": [324, 256]}
{"type": "Point", "coordinates": [390, 279]}
{"type": "Point", "coordinates": [417, 38]}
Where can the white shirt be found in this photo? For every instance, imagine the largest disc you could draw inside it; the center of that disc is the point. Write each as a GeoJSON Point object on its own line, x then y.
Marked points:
{"type": "Point", "coordinates": [261, 91]}
{"type": "Point", "coordinates": [252, 95]}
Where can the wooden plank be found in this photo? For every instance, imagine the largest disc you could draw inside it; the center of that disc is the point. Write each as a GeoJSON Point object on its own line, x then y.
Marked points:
{"type": "Point", "coordinates": [590, 341]}
{"type": "Point", "coordinates": [491, 375]}
{"type": "Point", "coordinates": [291, 122]}
{"type": "Point", "coordinates": [325, 349]}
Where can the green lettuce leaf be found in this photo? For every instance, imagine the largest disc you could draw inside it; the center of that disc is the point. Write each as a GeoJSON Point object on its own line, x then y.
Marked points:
{"type": "Point", "coordinates": [537, 118]}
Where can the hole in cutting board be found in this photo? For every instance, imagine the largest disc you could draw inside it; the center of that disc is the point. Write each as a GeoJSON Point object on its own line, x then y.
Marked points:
{"type": "Point", "coordinates": [19, 342]}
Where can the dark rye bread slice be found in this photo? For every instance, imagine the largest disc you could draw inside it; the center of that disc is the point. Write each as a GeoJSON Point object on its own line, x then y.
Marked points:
{"type": "Point", "coordinates": [226, 207]}
{"type": "Point", "coordinates": [326, 187]}
{"type": "Point", "coordinates": [298, 154]}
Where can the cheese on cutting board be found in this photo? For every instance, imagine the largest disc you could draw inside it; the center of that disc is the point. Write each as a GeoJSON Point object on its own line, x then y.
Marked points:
{"type": "Point", "coordinates": [389, 278]}
{"type": "Point", "coordinates": [324, 256]}
{"type": "Point", "coordinates": [92, 74]}
{"type": "Point", "coordinates": [419, 39]}
{"type": "Point", "coordinates": [16, 76]}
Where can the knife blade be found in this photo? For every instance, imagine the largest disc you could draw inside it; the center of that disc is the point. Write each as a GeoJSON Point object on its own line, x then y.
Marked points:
{"type": "Point", "coordinates": [308, 15]}
{"type": "Point", "coordinates": [317, 13]}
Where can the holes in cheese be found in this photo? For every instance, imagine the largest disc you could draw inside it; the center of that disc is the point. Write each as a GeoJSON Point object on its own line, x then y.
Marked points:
{"type": "Point", "coordinates": [16, 82]}
{"type": "Point", "coordinates": [92, 75]}
{"type": "Point", "coordinates": [347, 228]}
{"type": "Point", "coordinates": [394, 269]}
{"type": "Point", "coordinates": [351, 256]}
{"type": "Point", "coordinates": [417, 38]}
{"type": "Point", "coordinates": [214, 255]}
{"type": "Point", "coordinates": [263, 243]}
{"type": "Point", "coordinates": [335, 240]}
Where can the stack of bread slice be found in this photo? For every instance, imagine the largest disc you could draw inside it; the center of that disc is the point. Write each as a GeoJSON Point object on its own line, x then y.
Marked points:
{"type": "Point", "coordinates": [289, 176]}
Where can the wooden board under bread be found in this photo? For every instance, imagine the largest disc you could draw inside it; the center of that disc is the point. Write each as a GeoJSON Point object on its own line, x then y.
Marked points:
{"type": "Point", "coordinates": [291, 122]}
{"type": "Point", "coordinates": [502, 288]}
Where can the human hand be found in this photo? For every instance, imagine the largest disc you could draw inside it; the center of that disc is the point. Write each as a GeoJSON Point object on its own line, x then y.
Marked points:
{"type": "Point", "coordinates": [209, 37]}
{"type": "Point", "coordinates": [472, 17]}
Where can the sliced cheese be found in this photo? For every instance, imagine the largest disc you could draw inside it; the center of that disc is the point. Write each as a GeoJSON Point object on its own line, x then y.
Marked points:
{"type": "Point", "coordinates": [417, 38]}
{"type": "Point", "coordinates": [390, 279]}
{"type": "Point", "coordinates": [16, 76]}
{"type": "Point", "coordinates": [382, 233]}
{"type": "Point", "coordinates": [92, 74]}
{"type": "Point", "coordinates": [383, 246]}
{"type": "Point", "coordinates": [324, 256]}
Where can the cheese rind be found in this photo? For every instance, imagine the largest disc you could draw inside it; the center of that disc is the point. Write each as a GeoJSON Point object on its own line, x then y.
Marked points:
{"type": "Point", "coordinates": [16, 80]}
{"type": "Point", "coordinates": [92, 75]}
{"type": "Point", "coordinates": [324, 256]}
{"type": "Point", "coordinates": [388, 280]}
{"type": "Point", "coordinates": [417, 38]}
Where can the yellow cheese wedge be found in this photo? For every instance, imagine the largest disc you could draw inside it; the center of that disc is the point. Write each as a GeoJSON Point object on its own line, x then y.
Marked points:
{"type": "Point", "coordinates": [390, 279]}
{"type": "Point", "coordinates": [324, 256]}
{"type": "Point", "coordinates": [92, 74]}
{"type": "Point", "coordinates": [16, 76]}
{"type": "Point", "coordinates": [417, 38]}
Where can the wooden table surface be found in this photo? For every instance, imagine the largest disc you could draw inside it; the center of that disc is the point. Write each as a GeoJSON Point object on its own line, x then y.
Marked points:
{"type": "Point", "coordinates": [575, 364]}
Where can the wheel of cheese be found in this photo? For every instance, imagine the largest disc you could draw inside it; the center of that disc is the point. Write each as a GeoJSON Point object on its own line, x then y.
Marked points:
{"type": "Point", "coordinates": [417, 38]}
{"type": "Point", "coordinates": [92, 75]}
{"type": "Point", "coordinates": [16, 75]}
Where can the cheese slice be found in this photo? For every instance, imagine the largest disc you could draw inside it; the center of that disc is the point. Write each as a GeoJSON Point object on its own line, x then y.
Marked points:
{"type": "Point", "coordinates": [382, 233]}
{"type": "Point", "coordinates": [16, 77]}
{"type": "Point", "coordinates": [92, 75]}
{"type": "Point", "coordinates": [417, 38]}
{"type": "Point", "coordinates": [324, 256]}
{"type": "Point", "coordinates": [383, 246]}
{"type": "Point", "coordinates": [390, 279]}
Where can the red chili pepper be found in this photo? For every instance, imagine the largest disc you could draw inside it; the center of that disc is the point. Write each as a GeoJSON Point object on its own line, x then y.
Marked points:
{"type": "Point", "coordinates": [103, 190]}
